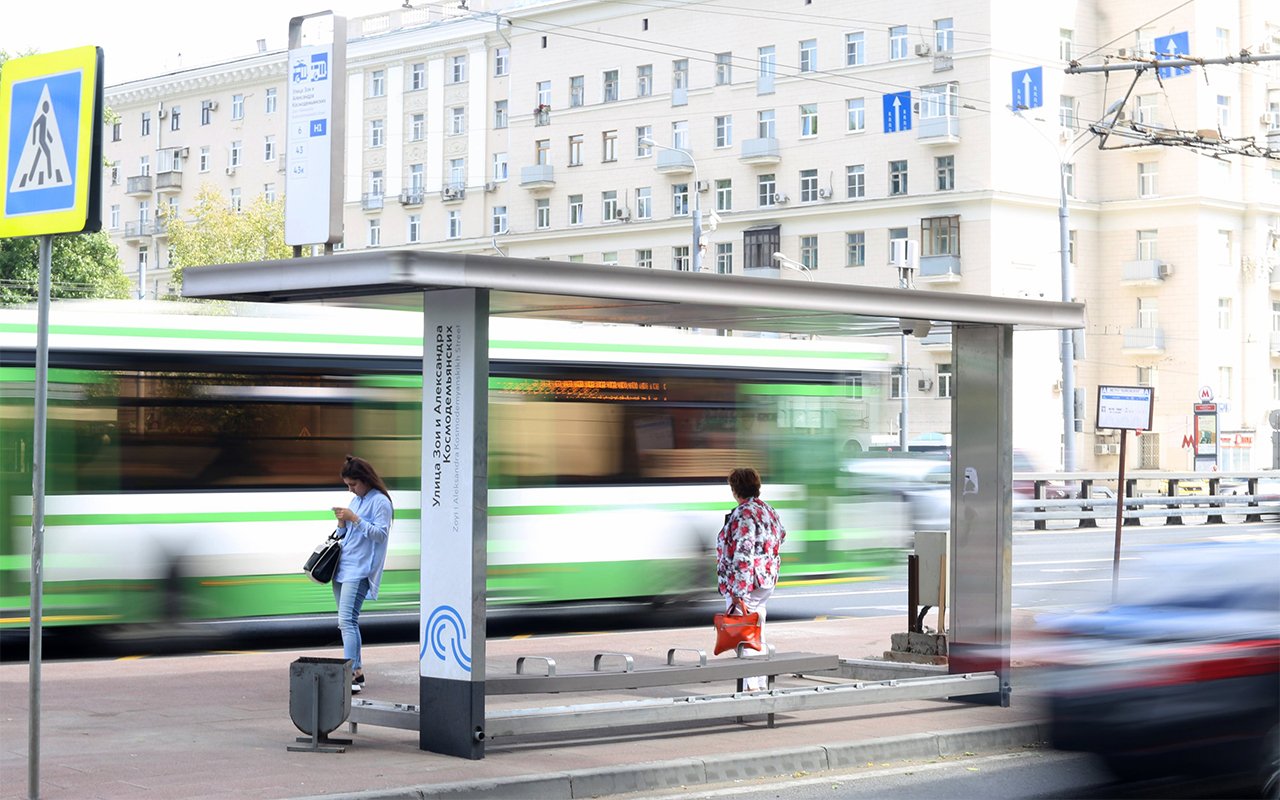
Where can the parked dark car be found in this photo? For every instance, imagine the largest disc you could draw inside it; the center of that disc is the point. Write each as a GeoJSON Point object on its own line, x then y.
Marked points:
{"type": "Point", "coordinates": [1182, 675]}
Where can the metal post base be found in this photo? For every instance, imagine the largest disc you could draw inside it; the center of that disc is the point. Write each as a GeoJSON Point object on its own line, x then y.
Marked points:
{"type": "Point", "coordinates": [320, 744]}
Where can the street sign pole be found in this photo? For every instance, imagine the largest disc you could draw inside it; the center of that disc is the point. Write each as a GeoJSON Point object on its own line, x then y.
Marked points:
{"type": "Point", "coordinates": [35, 627]}
{"type": "Point", "coordinates": [1120, 498]}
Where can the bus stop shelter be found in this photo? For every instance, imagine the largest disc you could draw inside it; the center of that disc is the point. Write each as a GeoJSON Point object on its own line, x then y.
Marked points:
{"type": "Point", "coordinates": [458, 294]}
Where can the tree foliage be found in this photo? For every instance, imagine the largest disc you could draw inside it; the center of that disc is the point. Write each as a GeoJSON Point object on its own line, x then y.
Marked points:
{"type": "Point", "coordinates": [84, 265]}
{"type": "Point", "coordinates": [216, 234]}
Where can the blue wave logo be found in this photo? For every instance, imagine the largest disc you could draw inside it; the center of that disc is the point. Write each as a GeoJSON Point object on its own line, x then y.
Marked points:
{"type": "Point", "coordinates": [445, 633]}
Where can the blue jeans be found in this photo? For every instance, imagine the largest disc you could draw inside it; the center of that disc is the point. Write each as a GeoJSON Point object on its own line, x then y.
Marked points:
{"type": "Point", "coordinates": [350, 597]}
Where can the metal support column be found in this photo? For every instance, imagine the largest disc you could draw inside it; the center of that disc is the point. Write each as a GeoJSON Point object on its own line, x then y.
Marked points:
{"type": "Point", "coordinates": [981, 503]}
{"type": "Point", "coordinates": [455, 475]}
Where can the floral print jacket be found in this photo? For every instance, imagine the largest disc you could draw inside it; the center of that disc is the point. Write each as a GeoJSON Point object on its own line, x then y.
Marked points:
{"type": "Point", "coordinates": [748, 548]}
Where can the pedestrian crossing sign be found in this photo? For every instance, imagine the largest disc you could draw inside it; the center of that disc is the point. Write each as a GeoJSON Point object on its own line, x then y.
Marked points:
{"type": "Point", "coordinates": [51, 143]}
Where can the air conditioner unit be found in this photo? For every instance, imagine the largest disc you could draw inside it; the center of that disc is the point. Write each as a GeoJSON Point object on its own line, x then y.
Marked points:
{"type": "Point", "coordinates": [824, 193]}
{"type": "Point", "coordinates": [925, 384]}
{"type": "Point", "coordinates": [904, 253]}
{"type": "Point", "coordinates": [491, 186]}
{"type": "Point", "coordinates": [922, 49]}
{"type": "Point", "coordinates": [1106, 449]}
{"type": "Point", "coordinates": [450, 193]}
{"type": "Point", "coordinates": [1164, 269]}
{"type": "Point", "coordinates": [704, 186]}
{"type": "Point", "coordinates": [213, 105]}
{"type": "Point", "coordinates": [162, 113]}
{"type": "Point", "coordinates": [624, 214]}
{"type": "Point", "coordinates": [231, 170]}
{"type": "Point", "coordinates": [779, 197]}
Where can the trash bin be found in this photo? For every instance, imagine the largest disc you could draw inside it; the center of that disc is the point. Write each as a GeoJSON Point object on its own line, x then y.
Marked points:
{"type": "Point", "coordinates": [320, 701]}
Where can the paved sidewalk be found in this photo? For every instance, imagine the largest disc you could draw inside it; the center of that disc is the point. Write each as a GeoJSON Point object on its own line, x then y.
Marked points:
{"type": "Point", "coordinates": [216, 726]}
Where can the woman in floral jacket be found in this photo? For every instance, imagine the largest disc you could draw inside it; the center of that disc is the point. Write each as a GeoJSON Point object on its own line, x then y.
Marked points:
{"type": "Point", "coordinates": [748, 550]}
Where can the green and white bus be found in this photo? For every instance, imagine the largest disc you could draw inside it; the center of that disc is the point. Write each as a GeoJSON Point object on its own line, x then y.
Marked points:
{"type": "Point", "coordinates": [193, 454]}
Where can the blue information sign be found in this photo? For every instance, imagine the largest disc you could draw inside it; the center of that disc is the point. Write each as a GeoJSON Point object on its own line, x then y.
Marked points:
{"type": "Point", "coordinates": [1028, 88]}
{"type": "Point", "coordinates": [897, 112]}
{"type": "Point", "coordinates": [1175, 45]}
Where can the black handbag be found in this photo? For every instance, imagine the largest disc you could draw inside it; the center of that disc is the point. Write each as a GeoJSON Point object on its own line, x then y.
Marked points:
{"type": "Point", "coordinates": [323, 561]}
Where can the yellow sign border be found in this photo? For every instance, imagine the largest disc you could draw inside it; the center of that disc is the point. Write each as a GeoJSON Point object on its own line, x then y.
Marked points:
{"type": "Point", "coordinates": [79, 59]}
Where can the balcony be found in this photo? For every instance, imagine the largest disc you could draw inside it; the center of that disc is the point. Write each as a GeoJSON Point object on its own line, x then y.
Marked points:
{"type": "Point", "coordinates": [1144, 271]}
{"type": "Point", "coordinates": [371, 201]}
{"type": "Point", "coordinates": [1143, 341]}
{"type": "Point", "coordinates": [169, 182]}
{"type": "Point", "coordinates": [760, 151]}
{"type": "Point", "coordinates": [138, 184]}
{"type": "Point", "coordinates": [142, 229]}
{"type": "Point", "coordinates": [939, 269]}
{"type": "Point", "coordinates": [938, 130]}
{"type": "Point", "coordinates": [673, 162]}
{"type": "Point", "coordinates": [412, 197]}
{"type": "Point", "coordinates": [538, 176]}
{"type": "Point", "coordinates": [542, 116]}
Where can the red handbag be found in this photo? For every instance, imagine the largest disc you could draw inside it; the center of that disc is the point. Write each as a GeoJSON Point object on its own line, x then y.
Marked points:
{"type": "Point", "coordinates": [740, 628]}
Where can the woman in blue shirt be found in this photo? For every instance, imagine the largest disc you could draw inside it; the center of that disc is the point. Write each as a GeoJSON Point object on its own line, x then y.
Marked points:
{"type": "Point", "coordinates": [365, 526]}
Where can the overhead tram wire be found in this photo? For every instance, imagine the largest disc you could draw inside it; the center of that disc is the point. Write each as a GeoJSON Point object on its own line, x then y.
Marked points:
{"type": "Point", "coordinates": [1135, 30]}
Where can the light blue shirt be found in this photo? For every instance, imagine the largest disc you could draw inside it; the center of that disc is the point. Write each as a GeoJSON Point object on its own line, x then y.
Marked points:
{"type": "Point", "coordinates": [364, 547]}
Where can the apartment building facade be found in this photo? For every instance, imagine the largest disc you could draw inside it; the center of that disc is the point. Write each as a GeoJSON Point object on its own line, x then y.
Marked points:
{"type": "Point", "coordinates": [582, 130]}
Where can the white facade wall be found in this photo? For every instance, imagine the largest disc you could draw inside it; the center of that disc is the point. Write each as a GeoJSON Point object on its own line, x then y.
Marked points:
{"type": "Point", "coordinates": [1006, 170]}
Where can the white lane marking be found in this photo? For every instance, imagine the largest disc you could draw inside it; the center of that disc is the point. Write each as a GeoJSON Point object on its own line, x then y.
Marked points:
{"type": "Point", "coordinates": [1072, 561]}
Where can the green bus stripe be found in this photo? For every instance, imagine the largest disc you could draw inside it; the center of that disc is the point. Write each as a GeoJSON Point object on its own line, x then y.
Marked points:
{"type": "Point", "coordinates": [608, 347]}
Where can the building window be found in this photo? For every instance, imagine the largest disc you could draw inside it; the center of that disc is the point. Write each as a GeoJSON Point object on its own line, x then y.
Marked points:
{"type": "Point", "coordinates": [499, 166]}
{"type": "Point", "coordinates": [724, 131]}
{"type": "Point", "coordinates": [759, 245]}
{"type": "Point", "coordinates": [375, 232]}
{"type": "Point", "coordinates": [1069, 179]}
{"type": "Point", "coordinates": [376, 182]}
{"type": "Point", "coordinates": [1275, 385]}
{"type": "Point", "coordinates": [855, 49]}
{"type": "Point", "coordinates": [1066, 44]}
{"type": "Point", "coordinates": [499, 114]}
{"type": "Point", "coordinates": [1224, 313]}
{"type": "Point", "coordinates": [856, 112]}
{"type": "Point", "coordinates": [115, 131]}
{"type": "Point", "coordinates": [454, 229]}
{"type": "Point", "coordinates": [609, 146]}
{"type": "Point", "coordinates": [575, 150]}
{"type": "Point", "coordinates": [146, 123]}
{"type": "Point", "coordinates": [766, 188]}
{"type": "Point", "coordinates": [577, 91]}
{"type": "Point", "coordinates": [499, 220]}
{"type": "Point", "coordinates": [204, 158]}
{"type": "Point", "coordinates": [457, 69]}
{"type": "Point", "coordinates": [269, 148]}
{"type": "Point", "coordinates": [1145, 112]}
{"type": "Point", "coordinates": [144, 162]}
{"type": "Point", "coordinates": [809, 119]}
{"type": "Point", "coordinates": [542, 213]}
{"type": "Point", "coordinates": [1067, 111]}
{"type": "Point", "coordinates": [724, 258]}
{"type": "Point", "coordinates": [679, 199]}
{"type": "Point", "coordinates": [115, 170]}
{"type": "Point", "coordinates": [944, 381]}
{"type": "Point", "coordinates": [808, 186]}
{"type": "Point", "coordinates": [809, 252]}
{"type": "Point", "coordinates": [144, 208]}
{"type": "Point", "coordinates": [1071, 247]}
{"type": "Point", "coordinates": [609, 258]}
{"type": "Point", "coordinates": [943, 36]}
{"type": "Point", "coordinates": [644, 80]}
{"type": "Point", "coordinates": [1222, 36]}
{"type": "Point", "coordinates": [270, 100]}
{"type": "Point", "coordinates": [724, 69]}
{"type": "Point", "coordinates": [809, 55]}
{"type": "Point", "coordinates": [680, 74]}
{"type": "Point", "coordinates": [501, 61]}
{"type": "Point", "coordinates": [680, 134]}
{"type": "Point", "coordinates": [724, 194]}
{"type": "Point", "coordinates": [766, 124]}
{"type": "Point", "coordinates": [414, 233]}
{"type": "Point", "coordinates": [944, 168]}
{"type": "Point", "coordinates": [236, 202]}
{"type": "Point", "coordinates": [142, 258]}
{"type": "Point", "coordinates": [233, 158]}
{"type": "Point", "coordinates": [609, 210]}
{"type": "Point", "coordinates": [897, 177]}
{"type": "Point", "coordinates": [896, 384]}
{"type": "Point", "coordinates": [1147, 179]}
{"type": "Point", "coordinates": [644, 203]}
{"type": "Point", "coordinates": [680, 258]}
{"type": "Point", "coordinates": [417, 127]}
{"type": "Point", "coordinates": [575, 209]}
{"type": "Point", "coordinates": [1224, 112]}
{"type": "Point", "coordinates": [1148, 313]}
{"type": "Point", "coordinates": [610, 80]}
{"type": "Point", "coordinates": [377, 133]}
{"type": "Point", "coordinates": [458, 173]}
{"type": "Point", "coordinates": [115, 217]}
{"type": "Point", "coordinates": [417, 178]}
{"type": "Point", "coordinates": [457, 121]}
{"type": "Point", "coordinates": [377, 84]}
{"type": "Point", "coordinates": [940, 236]}
{"type": "Point", "coordinates": [897, 235]}
{"type": "Point", "coordinates": [175, 118]}
{"type": "Point", "coordinates": [940, 100]}
{"type": "Point", "coordinates": [1147, 245]}
{"type": "Point", "coordinates": [543, 91]}
{"type": "Point", "coordinates": [644, 258]}
{"type": "Point", "coordinates": [542, 152]}
{"type": "Point", "coordinates": [855, 181]}
{"type": "Point", "coordinates": [644, 133]}
{"type": "Point", "coordinates": [1146, 376]}
{"type": "Point", "coordinates": [898, 42]}
{"type": "Point", "coordinates": [855, 245]}
{"type": "Point", "coordinates": [417, 77]}
{"type": "Point", "coordinates": [206, 112]}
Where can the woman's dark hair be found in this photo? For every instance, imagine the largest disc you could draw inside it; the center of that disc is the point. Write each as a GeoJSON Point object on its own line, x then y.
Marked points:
{"type": "Point", "coordinates": [357, 469]}
{"type": "Point", "coordinates": [745, 482]}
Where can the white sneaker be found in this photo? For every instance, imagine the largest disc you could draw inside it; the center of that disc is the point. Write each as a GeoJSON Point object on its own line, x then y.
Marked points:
{"type": "Point", "coordinates": [356, 688]}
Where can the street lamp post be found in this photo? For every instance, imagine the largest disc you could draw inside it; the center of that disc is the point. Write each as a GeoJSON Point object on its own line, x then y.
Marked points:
{"type": "Point", "coordinates": [695, 256]}
{"type": "Point", "coordinates": [791, 264]}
